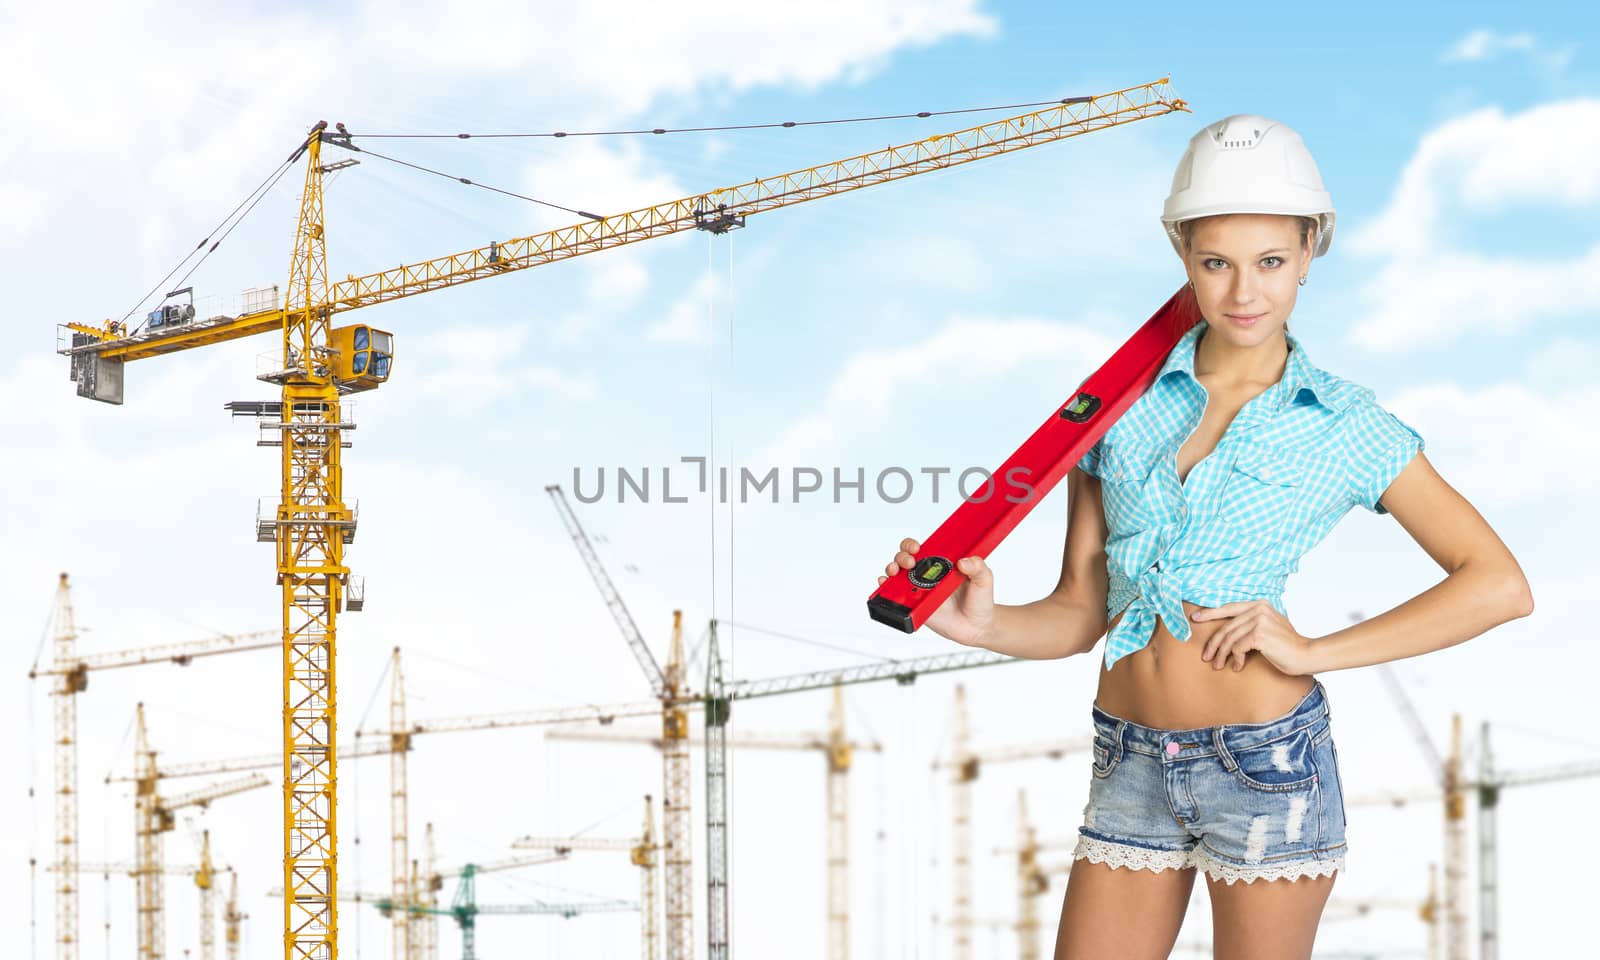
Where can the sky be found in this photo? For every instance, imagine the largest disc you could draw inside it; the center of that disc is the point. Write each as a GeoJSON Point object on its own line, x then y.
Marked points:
{"type": "Point", "coordinates": [927, 323]}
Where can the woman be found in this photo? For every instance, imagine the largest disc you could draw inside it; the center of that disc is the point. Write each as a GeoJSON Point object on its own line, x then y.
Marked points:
{"type": "Point", "coordinates": [1213, 746]}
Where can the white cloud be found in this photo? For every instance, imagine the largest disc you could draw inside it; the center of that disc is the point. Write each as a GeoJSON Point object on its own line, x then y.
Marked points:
{"type": "Point", "coordinates": [204, 125]}
{"type": "Point", "coordinates": [647, 51]}
{"type": "Point", "coordinates": [1487, 160]}
{"type": "Point", "coordinates": [687, 321]}
{"type": "Point", "coordinates": [604, 180]}
{"type": "Point", "coordinates": [871, 383]}
{"type": "Point", "coordinates": [1483, 45]}
{"type": "Point", "coordinates": [1480, 163]}
{"type": "Point", "coordinates": [1535, 454]}
{"type": "Point", "coordinates": [1437, 298]}
{"type": "Point", "coordinates": [468, 369]}
{"type": "Point", "coordinates": [1563, 359]}
{"type": "Point", "coordinates": [22, 209]}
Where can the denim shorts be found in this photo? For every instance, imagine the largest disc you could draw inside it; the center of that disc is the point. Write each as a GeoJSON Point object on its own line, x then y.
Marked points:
{"type": "Point", "coordinates": [1241, 801]}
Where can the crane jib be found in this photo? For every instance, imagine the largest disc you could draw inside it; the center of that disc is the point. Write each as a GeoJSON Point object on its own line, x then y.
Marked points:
{"type": "Point", "coordinates": [318, 363]}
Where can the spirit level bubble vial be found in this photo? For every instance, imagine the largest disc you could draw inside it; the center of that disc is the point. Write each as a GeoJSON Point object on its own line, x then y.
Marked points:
{"type": "Point", "coordinates": [981, 521]}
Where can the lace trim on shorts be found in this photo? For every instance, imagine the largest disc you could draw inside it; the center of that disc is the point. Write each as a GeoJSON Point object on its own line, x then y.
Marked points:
{"type": "Point", "coordinates": [1218, 870]}
{"type": "Point", "coordinates": [1141, 858]}
{"type": "Point", "coordinates": [1134, 858]}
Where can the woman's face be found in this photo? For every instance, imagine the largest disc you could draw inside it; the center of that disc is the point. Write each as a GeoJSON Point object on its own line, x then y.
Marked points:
{"type": "Point", "coordinates": [1246, 269]}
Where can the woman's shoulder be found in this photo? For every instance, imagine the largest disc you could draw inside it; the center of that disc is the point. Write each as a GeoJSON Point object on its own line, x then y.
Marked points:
{"type": "Point", "coordinates": [1342, 395]}
{"type": "Point", "coordinates": [1362, 427]}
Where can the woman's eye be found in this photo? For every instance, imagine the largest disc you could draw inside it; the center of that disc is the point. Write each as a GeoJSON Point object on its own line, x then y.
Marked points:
{"type": "Point", "coordinates": [1271, 263]}
{"type": "Point", "coordinates": [1214, 263]}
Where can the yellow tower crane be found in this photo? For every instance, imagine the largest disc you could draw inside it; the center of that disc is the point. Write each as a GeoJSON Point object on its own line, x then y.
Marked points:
{"type": "Point", "coordinates": [641, 852]}
{"type": "Point", "coordinates": [155, 815]}
{"type": "Point", "coordinates": [71, 671]}
{"type": "Point", "coordinates": [322, 363]}
{"type": "Point", "coordinates": [204, 876]}
{"type": "Point", "coordinates": [399, 746]}
{"type": "Point", "coordinates": [205, 880]}
{"type": "Point", "coordinates": [966, 764]}
{"type": "Point", "coordinates": [424, 931]}
{"type": "Point", "coordinates": [674, 744]}
{"type": "Point", "coordinates": [396, 743]}
{"type": "Point", "coordinates": [838, 751]}
{"type": "Point", "coordinates": [232, 917]}
{"type": "Point", "coordinates": [1031, 881]}
{"type": "Point", "coordinates": [1447, 909]}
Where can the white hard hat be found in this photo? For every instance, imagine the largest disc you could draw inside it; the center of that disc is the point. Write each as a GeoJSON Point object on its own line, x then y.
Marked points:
{"type": "Point", "coordinates": [1247, 164]}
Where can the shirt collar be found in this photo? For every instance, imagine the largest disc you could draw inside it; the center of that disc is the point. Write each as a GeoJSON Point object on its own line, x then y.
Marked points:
{"type": "Point", "coordinates": [1299, 373]}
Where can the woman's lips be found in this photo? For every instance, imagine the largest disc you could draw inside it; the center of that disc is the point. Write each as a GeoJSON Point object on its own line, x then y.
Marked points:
{"type": "Point", "coordinates": [1244, 319]}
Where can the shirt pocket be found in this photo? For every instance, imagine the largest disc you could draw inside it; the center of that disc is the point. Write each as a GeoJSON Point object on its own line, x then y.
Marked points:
{"type": "Point", "coordinates": [1126, 486]}
{"type": "Point", "coordinates": [1263, 492]}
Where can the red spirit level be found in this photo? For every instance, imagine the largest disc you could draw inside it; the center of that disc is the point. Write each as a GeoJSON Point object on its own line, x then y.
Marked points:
{"type": "Point", "coordinates": [978, 525]}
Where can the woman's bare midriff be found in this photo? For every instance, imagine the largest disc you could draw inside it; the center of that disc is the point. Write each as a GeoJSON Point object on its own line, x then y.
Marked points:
{"type": "Point", "coordinates": [1166, 685]}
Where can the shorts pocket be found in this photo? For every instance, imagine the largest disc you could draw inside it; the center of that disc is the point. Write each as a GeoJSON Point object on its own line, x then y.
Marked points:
{"type": "Point", "coordinates": [1338, 781]}
{"type": "Point", "coordinates": [1283, 766]}
{"type": "Point", "coordinates": [1106, 754]}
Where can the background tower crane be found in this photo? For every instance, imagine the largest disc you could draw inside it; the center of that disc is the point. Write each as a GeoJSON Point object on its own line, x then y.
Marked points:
{"type": "Point", "coordinates": [320, 363]}
{"type": "Point", "coordinates": [1455, 786]}
{"type": "Point", "coordinates": [232, 917]}
{"type": "Point", "coordinates": [465, 909]}
{"type": "Point", "coordinates": [674, 695]}
{"type": "Point", "coordinates": [670, 688]}
{"type": "Point", "coordinates": [838, 752]}
{"type": "Point", "coordinates": [205, 881]}
{"type": "Point", "coordinates": [1033, 881]}
{"type": "Point", "coordinates": [399, 856]}
{"type": "Point", "coordinates": [424, 931]}
{"type": "Point", "coordinates": [72, 673]}
{"type": "Point", "coordinates": [154, 817]}
{"type": "Point", "coordinates": [967, 763]}
{"type": "Point", "coordinates": [641, 853]}
{"type": "Point", "coordinates": [396, 742]}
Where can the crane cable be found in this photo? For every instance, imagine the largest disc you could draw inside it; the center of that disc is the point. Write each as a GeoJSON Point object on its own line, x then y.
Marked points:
{"type": "Point", "coordinates": [472, 183]}
{"type": "Point", "coordinates": [923, 114]}
{"type": "Point", "coordinates": [840, 648]}
{"type": "Point", "coordinates": [252, 198]}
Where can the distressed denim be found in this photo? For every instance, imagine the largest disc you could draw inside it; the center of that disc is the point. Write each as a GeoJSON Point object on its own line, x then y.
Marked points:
{"type": "Point", "coordinates": [1242, 801]}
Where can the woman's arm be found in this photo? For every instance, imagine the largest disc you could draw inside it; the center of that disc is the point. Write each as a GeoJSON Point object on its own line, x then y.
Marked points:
{"type": "Point", "coordinates": [1484, 586]}
{"type": "Point", "coordinates": [1072, 619]}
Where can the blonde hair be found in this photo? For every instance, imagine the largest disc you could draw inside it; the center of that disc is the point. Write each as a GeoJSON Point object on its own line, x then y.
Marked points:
{"type": "Point", "coordinates": [1308, 226]}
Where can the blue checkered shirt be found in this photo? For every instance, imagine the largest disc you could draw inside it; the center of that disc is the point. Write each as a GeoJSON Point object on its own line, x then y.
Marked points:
{"type": "Point", "coordinates": [1294, 460]}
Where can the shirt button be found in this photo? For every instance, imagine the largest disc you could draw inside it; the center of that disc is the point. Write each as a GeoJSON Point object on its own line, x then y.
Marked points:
{"type": "Point", "coordinates": [1172, 749]}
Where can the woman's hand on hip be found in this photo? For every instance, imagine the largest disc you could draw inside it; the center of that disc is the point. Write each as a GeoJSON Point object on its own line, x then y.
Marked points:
{"type": "Point", "coordinates": [1254, 625]}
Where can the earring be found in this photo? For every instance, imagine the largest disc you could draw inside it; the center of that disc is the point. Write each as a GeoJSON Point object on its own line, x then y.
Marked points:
{"type": "Point", "coordinates": [1302, 281]}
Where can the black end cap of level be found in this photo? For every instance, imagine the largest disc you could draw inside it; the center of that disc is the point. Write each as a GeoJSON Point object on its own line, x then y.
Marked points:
{"type": "Point", "coordinates": [887, 611]}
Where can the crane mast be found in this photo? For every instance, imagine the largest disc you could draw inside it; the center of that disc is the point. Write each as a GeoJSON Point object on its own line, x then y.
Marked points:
{"type": "Point", "coordinates": [68, 686]}
{"type": "Point", "coordinates": [399, 746]}
{"type": "Point", "coordinates": [72, 673]}
{"type": "Point", "coordinates": [312, 523]}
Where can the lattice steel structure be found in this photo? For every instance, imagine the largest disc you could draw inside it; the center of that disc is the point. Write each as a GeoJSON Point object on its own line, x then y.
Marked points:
{"type": "Point", "coordinates": [312, 523]}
